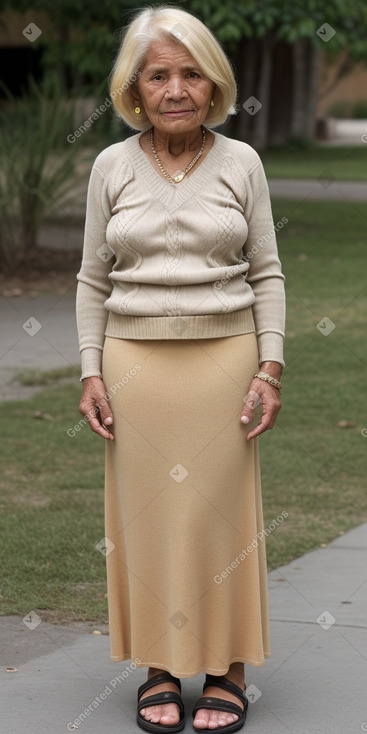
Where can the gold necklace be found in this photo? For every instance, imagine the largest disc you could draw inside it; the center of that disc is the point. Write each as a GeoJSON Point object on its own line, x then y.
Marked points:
{"type": "Point", "coordinates": [179, 176]}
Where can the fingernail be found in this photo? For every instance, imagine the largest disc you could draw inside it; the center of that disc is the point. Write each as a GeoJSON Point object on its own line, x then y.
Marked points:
{"type": "Point", "coordinates": [108, 421]}
{"type": "Point", "coordinates": [244, 419]}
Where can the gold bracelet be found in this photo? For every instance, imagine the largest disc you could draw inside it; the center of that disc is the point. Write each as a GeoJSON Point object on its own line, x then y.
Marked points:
{"type": "Point", "coordinates": [268, 378]}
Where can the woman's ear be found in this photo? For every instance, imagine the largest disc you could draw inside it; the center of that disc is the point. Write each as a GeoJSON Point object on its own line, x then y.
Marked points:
{"type": "Point", "coordinates": [134, 94]}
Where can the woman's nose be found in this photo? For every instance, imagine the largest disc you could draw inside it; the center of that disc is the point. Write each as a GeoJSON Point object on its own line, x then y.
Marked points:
{"type": "Point", "coordinates": [175, 88]}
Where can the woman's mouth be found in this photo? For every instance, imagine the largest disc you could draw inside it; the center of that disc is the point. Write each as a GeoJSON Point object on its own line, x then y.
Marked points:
{"type": "Point", "coordinates": [177, 113]}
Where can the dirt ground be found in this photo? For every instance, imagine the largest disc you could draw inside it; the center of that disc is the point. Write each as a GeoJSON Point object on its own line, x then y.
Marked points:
{"type": "Point", "coordinates": [50, 270]}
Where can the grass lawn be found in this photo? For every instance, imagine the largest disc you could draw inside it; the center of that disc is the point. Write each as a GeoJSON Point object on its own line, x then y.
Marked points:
{"type": "Point", "coordinates": [52, 485]}
{"type": "Point", "coordinates": [345, 163]}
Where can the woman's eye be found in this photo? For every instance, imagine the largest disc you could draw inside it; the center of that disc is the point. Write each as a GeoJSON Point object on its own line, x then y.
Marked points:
{"type": "Point", "coordinates": [191, 74]}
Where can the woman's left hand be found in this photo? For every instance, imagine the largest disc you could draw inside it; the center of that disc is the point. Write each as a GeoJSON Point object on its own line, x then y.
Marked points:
{"type": "Point", "coordinates": [270, 398]}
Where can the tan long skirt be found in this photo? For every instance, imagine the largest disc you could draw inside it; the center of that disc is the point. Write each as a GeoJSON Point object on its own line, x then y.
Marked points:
{"type": "Point", "coordinates": [186, 569]}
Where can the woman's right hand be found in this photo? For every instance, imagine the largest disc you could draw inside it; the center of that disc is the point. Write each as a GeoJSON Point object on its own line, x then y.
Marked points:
{"type": "Point", "coordinates": [94, 406]}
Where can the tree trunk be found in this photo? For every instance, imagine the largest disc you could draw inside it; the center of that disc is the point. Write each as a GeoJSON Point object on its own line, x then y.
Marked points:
{"type": "Point", "coordinates": [305, 81]}
{"type": "Point", "coordinates": [314, 58]}
{"type": "Point", "coordinates": [261, 118]}
{"type": "Point", "coordinates": [299, 89]}
{"type": "Point", "coordinates": [284, 78]}
{"type": "Point", "coordinates": [280, 94]}
{"type": "Point", "coordinates": [245, 63]}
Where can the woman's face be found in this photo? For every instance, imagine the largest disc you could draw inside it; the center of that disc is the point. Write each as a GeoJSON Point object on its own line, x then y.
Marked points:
{"type": "Point", "coordinates": [173, 90]}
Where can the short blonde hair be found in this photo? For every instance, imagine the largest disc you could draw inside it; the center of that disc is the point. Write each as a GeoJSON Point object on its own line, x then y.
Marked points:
{"type": "Point", "coordinates": [155, 24]}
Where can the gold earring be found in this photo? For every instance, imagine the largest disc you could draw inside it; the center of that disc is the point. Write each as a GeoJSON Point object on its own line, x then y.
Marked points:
{"type": "Point", "coordinates": [137, 110]}
{"type": "Point", "coordinates": [212, 103]}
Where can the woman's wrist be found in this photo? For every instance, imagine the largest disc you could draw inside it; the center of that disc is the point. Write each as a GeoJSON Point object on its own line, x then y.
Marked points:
{"type": "Point", "coordinates": [91, 377]}
{"type": "Point", "coordinates": [274, 369]}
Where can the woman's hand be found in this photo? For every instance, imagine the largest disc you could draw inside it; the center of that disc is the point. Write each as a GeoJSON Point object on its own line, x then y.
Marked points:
{"type": "Point", "coordinates": [268, 395]}
{"type": "Point", "coordinates": [94, 406]}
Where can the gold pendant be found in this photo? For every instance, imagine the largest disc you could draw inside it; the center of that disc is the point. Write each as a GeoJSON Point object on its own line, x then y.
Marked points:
{"type": "Point", "coordinates": [179, 177]}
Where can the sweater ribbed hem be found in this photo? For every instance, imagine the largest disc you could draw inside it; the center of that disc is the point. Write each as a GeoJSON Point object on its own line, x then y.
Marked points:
{"type": "Point", "coordinates": [203, 326]}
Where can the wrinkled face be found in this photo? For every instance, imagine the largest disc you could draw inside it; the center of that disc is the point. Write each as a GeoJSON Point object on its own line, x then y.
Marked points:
{"type": "Point", "coordinates": [173, 90]}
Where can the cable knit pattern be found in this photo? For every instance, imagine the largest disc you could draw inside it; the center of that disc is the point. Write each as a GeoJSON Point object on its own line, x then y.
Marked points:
{"type": "Point", "coordinates": [192, 261]}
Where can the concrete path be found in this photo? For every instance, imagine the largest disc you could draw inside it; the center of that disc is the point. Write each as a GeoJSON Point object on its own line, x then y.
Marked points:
{"type": "Point", "coordinates": [313, 682]}
{"type": "Point", "coordinates": [323, 188]}
{"type": "Point", "coordinates": [36, 333]}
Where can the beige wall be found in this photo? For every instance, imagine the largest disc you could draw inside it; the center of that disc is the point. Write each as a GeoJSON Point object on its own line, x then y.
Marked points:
{"type": "Point", "coordinates": [349, 88]}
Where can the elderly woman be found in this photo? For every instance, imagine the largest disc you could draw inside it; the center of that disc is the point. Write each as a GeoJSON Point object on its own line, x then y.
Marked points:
{"type": "Point", "coordinates": [180, 311]}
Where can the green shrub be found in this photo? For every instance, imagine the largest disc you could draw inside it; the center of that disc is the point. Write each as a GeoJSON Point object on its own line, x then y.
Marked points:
{"type": "Point", "coordinates": [39, 167]}
{"type": "Point", "coordinates": [360, 110]}
{"type": "Point", "coordinates": [340, 109]}
{"type": "Point", "coordinates": [348, 110]}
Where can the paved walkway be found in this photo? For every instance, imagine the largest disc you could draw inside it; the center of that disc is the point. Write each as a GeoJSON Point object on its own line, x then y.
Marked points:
{"type": "Point", "coordinates": [36, 333]}
{"type": "Point", "coordinates": [313, 682]}
{"type": "Point", "coordinates": [323, 188]}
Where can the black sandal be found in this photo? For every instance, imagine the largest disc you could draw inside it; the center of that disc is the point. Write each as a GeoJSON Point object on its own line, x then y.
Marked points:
{"type": "Point", "coordinates": [220, 704]}
{"type": "Point", "coordinates": [160, 698]}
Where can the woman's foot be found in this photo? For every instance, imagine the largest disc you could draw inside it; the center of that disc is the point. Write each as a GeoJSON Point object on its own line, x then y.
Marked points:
{"type": "Point", "coordinates": [167, 714]}
{"type": "Point", "coordinates": [210, 719]}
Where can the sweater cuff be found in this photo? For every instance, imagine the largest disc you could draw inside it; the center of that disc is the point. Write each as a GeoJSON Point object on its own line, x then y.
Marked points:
{"type": "Point", "coordinates": [270, 346]}
{"type": "Point", "coordinates": [91, 362]}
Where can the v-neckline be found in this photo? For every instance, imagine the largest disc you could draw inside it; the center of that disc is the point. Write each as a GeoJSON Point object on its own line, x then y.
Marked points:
{"type": "Point", "coordinates": [162, 187]}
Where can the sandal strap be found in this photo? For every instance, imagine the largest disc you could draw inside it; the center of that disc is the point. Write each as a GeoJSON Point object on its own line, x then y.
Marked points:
{"type": "Point", "coordinates": [162, 698]}
{"type": "Point", "coordinates": [217, 704]}
{"type": "Point", "coordinates": [164, 677]}
{"type": "Point", "coordinates": [220, 681]}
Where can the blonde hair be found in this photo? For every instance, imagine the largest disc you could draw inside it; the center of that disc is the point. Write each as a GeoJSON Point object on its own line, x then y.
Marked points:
{"type": "Point", "coordinates": [155, 24]}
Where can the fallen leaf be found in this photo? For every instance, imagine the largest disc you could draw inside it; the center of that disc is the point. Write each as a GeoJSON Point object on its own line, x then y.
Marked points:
{"type": "Point", "coordinates": [44, 416]}
{"type": "Point", "coordinates": [345, 424]}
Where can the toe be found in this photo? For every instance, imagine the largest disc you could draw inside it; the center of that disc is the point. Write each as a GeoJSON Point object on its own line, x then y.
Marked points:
{"type": "Point", "coordinates": [206, 719]}
{"type": "Point", "coordinates": [166, 714]}
{"type": "Point", "coordinates": [155, 715]}
{"type": "Point", "coordinates": [201, 719]}
{"type": "Point", "coordinates": [213, 720]}
{"type": "Point", "coordinates": [170, 714]}
{"type": "Point", "coordinates": [224, 719]}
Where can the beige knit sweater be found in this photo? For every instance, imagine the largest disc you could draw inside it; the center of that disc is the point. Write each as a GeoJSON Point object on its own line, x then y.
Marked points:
{"type": "Point", "coordinates": [192, 260]}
